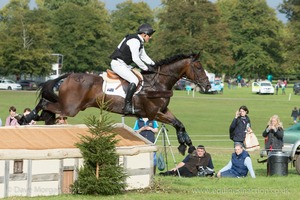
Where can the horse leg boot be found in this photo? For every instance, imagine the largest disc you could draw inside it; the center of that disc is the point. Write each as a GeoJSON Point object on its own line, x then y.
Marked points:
{"type": "Point", "coordinates": [31, 116]}
{"type": "Point", "coordinates": [181, 140]}
{"type": "Point", "coordinates": [188, 142]}
{"type": "Point", "coordinates": [128, 99]}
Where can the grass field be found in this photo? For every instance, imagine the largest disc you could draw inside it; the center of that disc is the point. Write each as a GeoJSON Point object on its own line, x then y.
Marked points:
{"type": "Point", "coordinates": [207, 119]}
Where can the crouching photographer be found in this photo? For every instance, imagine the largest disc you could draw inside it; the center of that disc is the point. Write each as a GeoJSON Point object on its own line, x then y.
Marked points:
{"type": "Point", "coordinates": [197, 163]}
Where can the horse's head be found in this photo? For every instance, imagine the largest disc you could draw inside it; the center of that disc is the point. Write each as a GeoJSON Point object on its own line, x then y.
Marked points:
{"type": "Point", "coordinates": [176, 67]}
{"type": "Point", "coordinates": [196, 73]}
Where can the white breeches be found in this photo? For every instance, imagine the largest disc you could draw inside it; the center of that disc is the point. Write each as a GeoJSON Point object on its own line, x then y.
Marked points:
{"type": "Point", "coordinates": [124, 71]}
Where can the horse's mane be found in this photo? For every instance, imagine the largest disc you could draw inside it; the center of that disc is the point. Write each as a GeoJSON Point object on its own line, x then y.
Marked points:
{"type": "Point", "coordinates": [173, 59]}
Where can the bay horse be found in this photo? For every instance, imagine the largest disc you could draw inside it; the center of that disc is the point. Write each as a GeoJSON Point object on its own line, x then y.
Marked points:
{"type": "Point", "coordinates": [79, 91]}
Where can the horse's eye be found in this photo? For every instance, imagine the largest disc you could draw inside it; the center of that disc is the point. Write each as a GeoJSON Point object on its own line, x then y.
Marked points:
{"type": "Point", "coordinates": [198, 67]}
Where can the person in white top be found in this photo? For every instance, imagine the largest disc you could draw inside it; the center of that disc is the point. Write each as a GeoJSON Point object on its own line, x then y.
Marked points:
{"type": "Point", "coordinates": [131, 50]}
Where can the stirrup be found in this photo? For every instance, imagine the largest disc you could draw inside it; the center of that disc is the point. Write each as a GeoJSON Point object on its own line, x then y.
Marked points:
{"type": "Point", "coordinates": [132, 111]}
{"type": "Point", "coordinates": [128, 111]}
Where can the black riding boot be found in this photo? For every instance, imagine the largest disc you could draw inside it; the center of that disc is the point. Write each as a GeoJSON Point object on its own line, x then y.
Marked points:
{"type": "Point", "coordinates": [128, 99]}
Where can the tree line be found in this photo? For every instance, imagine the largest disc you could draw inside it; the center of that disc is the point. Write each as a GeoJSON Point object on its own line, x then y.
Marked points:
{"type": "Point", "coordinates": [234, 37]}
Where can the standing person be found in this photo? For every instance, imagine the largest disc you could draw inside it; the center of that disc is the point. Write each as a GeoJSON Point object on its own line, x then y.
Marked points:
{"type": "Point", "coordinates": [240, 125]}
{"type": "Point", "coordinates": [283, 86]}
{"type": "Point", "coordinates": [295, 114]}
{"type": "Point", "coordinates": [147, 128]}
{"type": "Point", "coordinates": [273, 134]}
{"type": "Point", "coordinates": [239, 165]}
{"type": "Point", "coordinates": [131, 50]}
{"type": "Point", "coordinates": [11, 120]}
{"type": "Point", "coordinates": [190, 165]}
{"type": "Point", "coordinates": [0, 122]}
{"type": "Point", "coordinates": [277, 86]}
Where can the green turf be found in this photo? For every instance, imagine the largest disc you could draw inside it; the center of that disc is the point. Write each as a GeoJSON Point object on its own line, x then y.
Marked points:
{"type": "Point", "coordinates": [207, 119]}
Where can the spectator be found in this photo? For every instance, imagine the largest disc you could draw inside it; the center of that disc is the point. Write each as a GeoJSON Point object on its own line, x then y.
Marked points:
{"type": "Point", "coordinates": [285, 82]}
{"type": "Point", "coordinates": [0, 122]}
{"type": "Point", "coordinates": [274, 134]}
{"type": "Point", "coordinates": [239, 165]}
{"type": "Point", "coordinates": [147, 128]}
{"type": "Point", "coordinates": [277, 86]}
{"type": "Point", "coordinates": [283, 86]}
{"type": "Point", "coordinates": [239, 126]}
{"type": "Point", "coordinates": [295, 114]}
{"type": "Point", "coordinates": [191, 163]}
{"type": "Point", "coordinates": [12, 119]}
{"type": "Point", "coordinates": [61, 120]}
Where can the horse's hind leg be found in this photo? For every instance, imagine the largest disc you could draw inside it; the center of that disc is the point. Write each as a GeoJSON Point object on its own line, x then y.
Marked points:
{"type": "Point", "coordinates": [44, 104]}
{"type": "Point", "coordinates": [48, 111]}
{"type": "Point", "coordinates": [48, 117]}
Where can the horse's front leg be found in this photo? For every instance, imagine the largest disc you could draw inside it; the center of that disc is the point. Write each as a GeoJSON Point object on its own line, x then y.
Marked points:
{"type": "Point", "coordinates": [182, 136]}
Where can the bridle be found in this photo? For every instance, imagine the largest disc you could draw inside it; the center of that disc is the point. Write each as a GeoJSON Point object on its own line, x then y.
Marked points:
{"type": "Point", "coordinates": [197, 79]}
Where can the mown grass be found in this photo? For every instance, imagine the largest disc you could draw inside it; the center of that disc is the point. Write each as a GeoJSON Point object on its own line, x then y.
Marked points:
{"type": "Point", "coordinates": [206, 118]}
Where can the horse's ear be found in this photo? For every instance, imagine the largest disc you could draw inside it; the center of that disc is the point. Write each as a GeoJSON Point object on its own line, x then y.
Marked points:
{"type": "Point", "coordinates": [197, 56]}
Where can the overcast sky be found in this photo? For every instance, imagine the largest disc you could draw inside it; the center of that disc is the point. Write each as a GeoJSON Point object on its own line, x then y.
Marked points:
{"type": "Point", "coordinates": [111, 4]}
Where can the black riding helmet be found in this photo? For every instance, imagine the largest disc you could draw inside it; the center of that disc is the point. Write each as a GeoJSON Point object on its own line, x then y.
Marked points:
{"type": "Point", "coordinates": [145, 28]}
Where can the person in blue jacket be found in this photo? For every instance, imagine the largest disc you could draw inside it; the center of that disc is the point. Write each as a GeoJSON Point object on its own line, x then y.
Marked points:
{"type": "Point", "coordinates": [147, 128]}
{"type": "Point", "coordinates": [239, 165]}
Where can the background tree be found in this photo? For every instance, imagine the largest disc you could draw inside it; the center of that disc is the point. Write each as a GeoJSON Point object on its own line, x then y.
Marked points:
{"type": "Point", "coordinates": [55, 4]}
{"type": "Point", "coordinates": [191, 26]}
{"type": "Point", "coordinates": [83, 35]}
{"type": "Point", "coordinates": [255, 35]}
{"type": "Point", "coordinates": [292, 39]}
{"type": "Point", "coordinates": [25, 43]}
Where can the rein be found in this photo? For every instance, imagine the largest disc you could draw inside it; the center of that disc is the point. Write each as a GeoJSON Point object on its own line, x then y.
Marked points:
{"type": "Point", "coordinates": [157, 73]}
{"type": "Point", "coordinates": [165, 74]}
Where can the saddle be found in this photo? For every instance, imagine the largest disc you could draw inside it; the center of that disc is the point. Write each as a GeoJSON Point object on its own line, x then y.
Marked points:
{"type": "Point", "coordinates": [114, 82]}
{"type": "Point", "coordinates": [112, 77]}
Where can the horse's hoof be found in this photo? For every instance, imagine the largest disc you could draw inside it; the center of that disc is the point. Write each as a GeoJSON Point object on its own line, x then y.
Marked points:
{"type": "Point", "coordinates": [181, 149]}
{"type": "Point", "coordinates": [191, 149]}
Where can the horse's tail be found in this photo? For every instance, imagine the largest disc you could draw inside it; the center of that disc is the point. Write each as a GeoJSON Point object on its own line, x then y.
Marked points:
{"type": "Point", "coordinates": [46, 89]}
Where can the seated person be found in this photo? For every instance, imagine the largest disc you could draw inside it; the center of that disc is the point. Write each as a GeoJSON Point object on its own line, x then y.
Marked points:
{"type": "Point", "coordinates": [191, 163]}
{"type": "Point", "coordinates": [12, 119]}
{"type": "Point", "coordinates": [239, 165]}
{"type": "Point", "coordinates": [61, 120]}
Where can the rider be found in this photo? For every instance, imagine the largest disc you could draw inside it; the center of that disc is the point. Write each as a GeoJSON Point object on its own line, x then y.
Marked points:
{"type": "Point", "coordinates": [131, 50]}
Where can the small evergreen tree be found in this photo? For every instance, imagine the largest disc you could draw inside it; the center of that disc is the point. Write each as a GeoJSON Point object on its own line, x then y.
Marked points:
{"type": "Point", "coordinates": [101, 173]}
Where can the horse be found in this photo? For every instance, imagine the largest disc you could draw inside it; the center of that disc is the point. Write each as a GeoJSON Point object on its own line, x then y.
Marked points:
{"type": "Point", "coordinates": [79, 91]}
